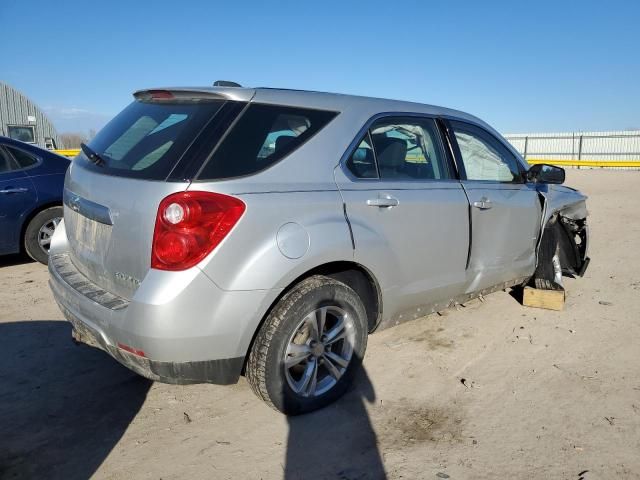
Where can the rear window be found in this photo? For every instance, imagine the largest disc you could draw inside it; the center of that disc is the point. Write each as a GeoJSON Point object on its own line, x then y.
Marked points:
{"type": "Point", "coordinates": [147, 139]}
{"type": "Point", "coordinates": [263, 135]}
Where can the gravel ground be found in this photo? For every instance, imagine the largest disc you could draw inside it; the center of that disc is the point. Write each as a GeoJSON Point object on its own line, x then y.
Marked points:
{"type": "Point", "coordinates": [491, 390]}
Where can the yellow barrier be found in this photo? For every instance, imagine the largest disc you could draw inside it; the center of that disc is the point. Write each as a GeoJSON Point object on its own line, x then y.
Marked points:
{"type": "Point", "coordinates": [69, 152]}
{"type": "Point", "coordinates": [72, 152]}
{"type": "Point", "coordinates": [586, 163]}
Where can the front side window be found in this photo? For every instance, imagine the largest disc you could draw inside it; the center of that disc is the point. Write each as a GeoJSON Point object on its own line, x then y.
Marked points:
{"type": "Point", "coordinates": [263, 135]}
{"type": "Point", "coordinates": [401, 149]}
{"type": "Point", "coordinates": [24, 133]}
{"type": "Point", "coordinates": [484, 157]}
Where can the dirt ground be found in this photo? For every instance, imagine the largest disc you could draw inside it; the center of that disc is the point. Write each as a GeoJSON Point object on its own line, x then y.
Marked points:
{"type": "Point", "coordinates": [491, 390]}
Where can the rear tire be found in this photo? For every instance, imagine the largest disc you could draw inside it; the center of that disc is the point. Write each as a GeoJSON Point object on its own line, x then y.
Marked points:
{"type": "Point", "coordinates": [286, 351]}
{"type": "Point", "coordinates": [544, 277]}
{"type": "Point", "coordinates": [37, 235]}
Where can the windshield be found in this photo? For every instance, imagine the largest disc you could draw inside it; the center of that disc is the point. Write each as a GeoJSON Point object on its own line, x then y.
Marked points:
{"type": "Point", "coordinates": [147, 139]}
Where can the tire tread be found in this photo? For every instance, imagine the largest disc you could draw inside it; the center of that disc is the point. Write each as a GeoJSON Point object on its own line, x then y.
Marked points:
{"type": "Point", "coordinates": [256, 368]}
{"type": "Point", "coordinates": [33, 250]}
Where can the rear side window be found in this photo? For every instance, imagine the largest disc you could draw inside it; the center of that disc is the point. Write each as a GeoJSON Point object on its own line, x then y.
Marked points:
{"type": "Point", "coordinates": [263, 135]}
{"type": "Point", "coordinates": [6, 162]}
{"type": "Point", "coordinates": [362, 162]}
{"type": "Point", "coordinates": [399, 149]}
{"type": "Point", "coordinates": [147, 139]}
{"type": "Point", "coordinates": [24, 159]}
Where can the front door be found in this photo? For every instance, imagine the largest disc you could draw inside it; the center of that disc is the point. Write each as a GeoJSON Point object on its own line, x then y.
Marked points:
{"type": "Point", "coordinates": [505, 211]}
{"type": "Point", "coordinates": [408, 214]}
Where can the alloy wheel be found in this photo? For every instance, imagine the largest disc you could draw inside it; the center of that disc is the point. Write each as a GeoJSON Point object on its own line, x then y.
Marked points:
{"type": "Point", "coordinates": [46, 232]}
{"type": "Point", "coordinates": [319, 351]}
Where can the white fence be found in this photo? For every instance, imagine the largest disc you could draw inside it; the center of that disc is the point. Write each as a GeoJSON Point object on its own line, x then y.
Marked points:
{"type": "Point", "coordinates": [597, 147]}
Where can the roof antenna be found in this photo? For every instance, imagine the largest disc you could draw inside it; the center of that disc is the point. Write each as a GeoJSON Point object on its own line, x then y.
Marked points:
{"type": "Point", "coordinates": [225, 83]}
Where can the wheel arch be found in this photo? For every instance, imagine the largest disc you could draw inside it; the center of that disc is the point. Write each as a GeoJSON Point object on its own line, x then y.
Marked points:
{"type": "Point", "coordinates": [351, 273]}
{"type": "Point", "coordinates": [30, 216]}
{"type": "Point", "coordinates": [569, 219]}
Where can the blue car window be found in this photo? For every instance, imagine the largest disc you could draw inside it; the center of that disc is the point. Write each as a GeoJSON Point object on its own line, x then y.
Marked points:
{"type": "Point", "coordinates": [6, 162]}
{"type": "Point", "coordinates": [23, 158]}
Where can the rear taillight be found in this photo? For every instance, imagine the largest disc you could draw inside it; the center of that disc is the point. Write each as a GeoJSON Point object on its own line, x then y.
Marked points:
{"type": "Point", "coordinates": [189, 225]}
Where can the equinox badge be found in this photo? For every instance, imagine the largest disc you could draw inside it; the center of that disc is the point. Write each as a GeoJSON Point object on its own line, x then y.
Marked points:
{"type": "Point", "coordinates": [127, 279]}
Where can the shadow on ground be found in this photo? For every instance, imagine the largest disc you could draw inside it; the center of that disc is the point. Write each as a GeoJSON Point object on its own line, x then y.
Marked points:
{"type": "Point", "coordinates": [62, 407]}
{"type": "Point", "coordinates": [16, 259]}
{"type": "Point", "coordinates": [517, 293]}
{"type": "Point", "coordinates": [337, 442]}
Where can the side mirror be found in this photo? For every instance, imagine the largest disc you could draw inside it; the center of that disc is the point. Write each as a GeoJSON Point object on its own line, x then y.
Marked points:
{"type": "Point", "coordinates": [543, 173]}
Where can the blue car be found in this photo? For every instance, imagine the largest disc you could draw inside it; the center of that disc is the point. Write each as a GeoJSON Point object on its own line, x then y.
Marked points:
{"type": "Point", "coordinates": [31, 185]}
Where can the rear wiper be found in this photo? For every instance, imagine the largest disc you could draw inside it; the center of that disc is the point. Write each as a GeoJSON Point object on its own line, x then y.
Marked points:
{"type": "Point", "coordinates": [91, 155]}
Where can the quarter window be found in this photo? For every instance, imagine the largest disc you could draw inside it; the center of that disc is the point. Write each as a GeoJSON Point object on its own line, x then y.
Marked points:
{"type": "Point", "coordinates": [484, 157]}
{"type": "Point", "coordinates": [263, 135]}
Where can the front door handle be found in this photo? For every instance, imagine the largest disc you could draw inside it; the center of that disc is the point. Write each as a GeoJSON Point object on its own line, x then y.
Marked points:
{"type": "Point", "coordinates": [383, 202]}
{"type": "Point", "coordinates": [14, 190]}
{"type": "Point", "coordinates": [483, 204]}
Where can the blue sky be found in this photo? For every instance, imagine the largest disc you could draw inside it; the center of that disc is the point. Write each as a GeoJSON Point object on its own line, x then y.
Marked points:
{"type": "Point", "coordinates": [522, 66]}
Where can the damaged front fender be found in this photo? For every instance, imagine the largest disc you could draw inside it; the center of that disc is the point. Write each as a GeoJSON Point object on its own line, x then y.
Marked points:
{"type": "Point", "coordinates": [565, 211]}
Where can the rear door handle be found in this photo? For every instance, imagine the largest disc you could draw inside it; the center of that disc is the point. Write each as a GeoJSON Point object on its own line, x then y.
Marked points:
{"type": "Point", "coordinates": [14, 190]}
{"type": "Point", "coordinates": [483, 204]}
{"type": "Point", "coordinates": [383, 202]}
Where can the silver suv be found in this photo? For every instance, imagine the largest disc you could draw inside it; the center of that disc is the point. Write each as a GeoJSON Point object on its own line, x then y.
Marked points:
{"type": "Point", "coordinates": [216, 232]}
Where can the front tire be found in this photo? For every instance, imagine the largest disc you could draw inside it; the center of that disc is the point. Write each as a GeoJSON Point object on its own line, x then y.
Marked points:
{"type": "Point", "coordinates": [548, 274]}
{"type": "Point", "coordinates": [309, 347]}
{"type": "Point", "coordinates": [37, 235]}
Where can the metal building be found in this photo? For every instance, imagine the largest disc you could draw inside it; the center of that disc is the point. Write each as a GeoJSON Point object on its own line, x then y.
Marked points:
{"type": "Point", "coordinates": [21, 119]}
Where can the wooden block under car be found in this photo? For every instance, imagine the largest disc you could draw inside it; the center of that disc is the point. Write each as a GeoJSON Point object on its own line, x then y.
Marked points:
{"type": "Point", "coordinates": [549, 299]}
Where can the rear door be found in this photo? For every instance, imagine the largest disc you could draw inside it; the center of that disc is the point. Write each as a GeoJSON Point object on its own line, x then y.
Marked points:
{"type": "Point", "coordinates": [408, 215]}
{"type": "Point", "coordinates": [17, 198]}
{"type": "Point", "coordinates": [46, 171]}
{"type": "Point", "coordinates": [505, 211]}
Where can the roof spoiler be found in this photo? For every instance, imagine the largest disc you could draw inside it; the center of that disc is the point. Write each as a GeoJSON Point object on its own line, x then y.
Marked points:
{"type": "Point", "coordinates": [169, 95]}
{"type": "Point", "coordinates": [194, 94]}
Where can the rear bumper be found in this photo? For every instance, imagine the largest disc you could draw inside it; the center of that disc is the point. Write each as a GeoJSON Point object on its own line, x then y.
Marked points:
{"type": "Point", "coordinates": [222, 371]}
{"type": "Point", "coordinates": [189, 329]}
